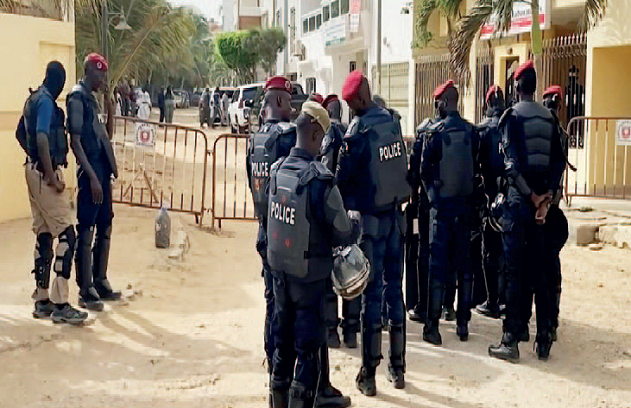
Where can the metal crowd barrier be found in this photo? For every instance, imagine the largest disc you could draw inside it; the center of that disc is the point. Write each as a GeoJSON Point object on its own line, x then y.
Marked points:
{"type": "Point", "coordinates": [160, 165]}
{"type": "Point", "coordinates": [599, 149]}
{"type": "Point", "coordinates": [231, 197]}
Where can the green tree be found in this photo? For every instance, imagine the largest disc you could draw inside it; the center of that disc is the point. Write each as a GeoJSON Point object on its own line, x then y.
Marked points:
{"type": "Point", "coordinates": [238, 51]}
{"type": "Point", "coordinates": [484, 10]}
{"type": "Point", "coordinates": [268, 42]}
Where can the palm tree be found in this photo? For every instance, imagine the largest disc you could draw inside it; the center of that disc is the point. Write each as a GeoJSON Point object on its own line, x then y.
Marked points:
{"type": "Point", "coordinates": [450, 9]}
{"type": "Point", "coordinates": [482, 12]}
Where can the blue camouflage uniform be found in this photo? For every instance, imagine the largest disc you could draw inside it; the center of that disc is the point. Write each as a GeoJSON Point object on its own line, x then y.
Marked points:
{"type": "Point", "coordinates": [306, 221]}
{"type": "Point", "coordinates": [283, 138]}
{"type": "Point", "coordinates": [449, 181]}
{"type": "Point", "coordinates": [372, 179]}
{"type": "Point", "coordinates": [534, 162]}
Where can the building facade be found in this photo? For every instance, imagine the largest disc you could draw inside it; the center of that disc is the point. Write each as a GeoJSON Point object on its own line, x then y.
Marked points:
{"type": "Point", "coordinates": [29, 43]}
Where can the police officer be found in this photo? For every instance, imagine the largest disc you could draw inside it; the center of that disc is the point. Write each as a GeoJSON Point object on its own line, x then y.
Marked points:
{"type": "Point", "coordinates": [534, 164]}
{"type": "Point", "coordinates": [329, 154]}
{"type": "Point", "coordinates": [90, 141]}
{"type": "Point", "coordinates": [371, 174]}
{"type": "Point", "coordinates": [417, 237]}
{"type": "Point", "coordinates": [448, 168]}
{"type": "Point", "coordinates": [306, 220]}
{"type": "Point", "coordinates": [492, 167]}
{"type": "Point", "coordinates": [556, 225]}
{"type": "Point", "coordinates": [273, 140]}
{"type": "Point", "coordinates": [42, 135]}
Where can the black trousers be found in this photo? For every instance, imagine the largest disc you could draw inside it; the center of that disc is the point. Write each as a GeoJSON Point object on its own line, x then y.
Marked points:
{"type": "Point", "coordinates": [299, 335]}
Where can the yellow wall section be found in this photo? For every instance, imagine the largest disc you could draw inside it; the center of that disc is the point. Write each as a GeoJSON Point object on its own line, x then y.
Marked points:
{"type": "Point", "coordinates": [26, 46]}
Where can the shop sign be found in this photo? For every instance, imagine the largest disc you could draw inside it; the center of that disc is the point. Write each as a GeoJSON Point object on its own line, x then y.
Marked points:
{"type": "Point", "coordinates": [521, 21]}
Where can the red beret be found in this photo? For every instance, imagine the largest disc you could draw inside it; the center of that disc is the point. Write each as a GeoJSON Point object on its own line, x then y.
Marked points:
{"type": "Point", "coordinates": [442, 88]}
{"type": "Point", "coordinates": [278, 82]}
{"type": "Point", "coordinates": [554, 89]}
{"type": "Point", "coordinates": [493, 90]}
{"type": "Point", "coordinates": [330, 99]}
{"type": "Point", "coordinates": [352, 85]}
{"type": "Point", "coordinates": [99, 61]}
{"type": "Point", "coordinates": [526, 66]}
{"type": "Point", "coordinates": [316, 97]}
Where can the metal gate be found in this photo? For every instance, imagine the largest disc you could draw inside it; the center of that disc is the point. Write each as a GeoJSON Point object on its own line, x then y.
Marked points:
{"type": "Point", "coordinates": [231, 197]}
{"type": "Point", "coordinates": [160, 165]}
{"type": "Point", "coordinates": [601, 155]}
{"type": "Point", "coordinates": [431, 71]}
{"type": "Point", "coordinates": [484, 78]}
{"type": "Point", "coordinates": [395, 83]}
{"type": "Point", "coordinates": [564, 64]}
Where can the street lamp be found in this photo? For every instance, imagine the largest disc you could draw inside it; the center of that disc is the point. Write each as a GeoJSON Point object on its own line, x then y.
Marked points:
{"type": "Point", "coordinates": [105, 17]}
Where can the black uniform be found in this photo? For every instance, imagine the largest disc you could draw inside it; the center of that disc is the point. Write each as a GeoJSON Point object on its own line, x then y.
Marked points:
{"type": "Point", "coordinates": [492, 167]}
{"type": "Point", "coordinates": [306, 220]}
{"type": "Point", "coordinates": [417, 237]}
{"type": "Point", "coordinates": [534, 163]}
{"type": "Point", "coordinates": [91, 262]}
{"type": "Point", "coordinates": [273, 141]}
{"type": "Point", "coordinates": [371, 174]}
{"type": "Point", "coordinates": [448, 169]}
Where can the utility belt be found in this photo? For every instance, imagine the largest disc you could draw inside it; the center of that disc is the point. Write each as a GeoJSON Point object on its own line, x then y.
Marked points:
{"type": "Point", "coordinates": [37, 165]}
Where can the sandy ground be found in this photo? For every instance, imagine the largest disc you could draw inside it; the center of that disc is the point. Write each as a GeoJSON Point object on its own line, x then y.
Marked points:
{"type": "Point", "coordinates": [191, 336]}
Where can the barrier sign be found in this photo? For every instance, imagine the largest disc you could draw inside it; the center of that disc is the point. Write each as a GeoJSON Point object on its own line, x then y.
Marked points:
{"type": "Point", "coordinates": [145, 134]}
{"type": "Point", "coordinates": [623, 132]}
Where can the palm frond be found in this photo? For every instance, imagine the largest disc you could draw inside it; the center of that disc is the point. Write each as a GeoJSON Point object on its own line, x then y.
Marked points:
{"type": "Point", "coordinates": [468, 28]}
{"type": "Point", "coordinates": [594, 12]}
{"type": "Point", "coordinates": [504, 11]}
{"type": "Point", "coordinates": [423, 35]}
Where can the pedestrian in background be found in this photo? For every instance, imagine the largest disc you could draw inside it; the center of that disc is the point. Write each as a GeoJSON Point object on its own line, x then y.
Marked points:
{"type": "Point", "coordinates": [169, 105]}
{"type": "Point", "coordinates": [161, 104]}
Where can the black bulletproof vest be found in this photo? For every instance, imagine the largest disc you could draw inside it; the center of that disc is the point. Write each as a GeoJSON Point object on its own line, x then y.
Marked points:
{"type": "Point", "coordinates": [57, 140]}
{"type": "Point", "coordinates": [538, 129]}
{"type": "Point", "coordinates": [456, 165]}
{"type": "Point", "coordinates": [388, 164]}
{"type": "Point", "coordinates": [493, 139]}
{"type": "Point", "coordinates": [289, 229]}
{"type": "Point", "coordinates": [273, 141]}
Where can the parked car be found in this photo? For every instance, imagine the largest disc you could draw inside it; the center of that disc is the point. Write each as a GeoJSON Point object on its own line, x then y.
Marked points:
{"type": "Point", "coordinates": [224, 89]}
{"type": "Point", "coordinates": [238, 112]}
{"type": "Point", "coordinates": [182, 99]}
{"type": "Point", "coordinates": [298, 97]}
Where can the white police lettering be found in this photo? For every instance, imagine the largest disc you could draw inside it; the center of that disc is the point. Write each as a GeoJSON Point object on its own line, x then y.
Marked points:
{"type": "Point", "coordinates": [260, 169]}
{"type": "Point", "coordinates": [284, 214]}
{"type": "Point", "coordinates": [391, 151]}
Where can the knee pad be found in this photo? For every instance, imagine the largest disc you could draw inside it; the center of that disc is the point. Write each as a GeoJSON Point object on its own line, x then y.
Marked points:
{"type": "Point", "coordinates": [43, 258]}
{"type": "Point", "coordinates": [64, 253]}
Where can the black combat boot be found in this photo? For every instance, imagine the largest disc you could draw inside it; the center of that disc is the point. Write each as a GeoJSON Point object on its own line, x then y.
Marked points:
{"type": "Point", "coordinates": [416, 315]}
{"type": "Point", "coordinates": [431, 333]}
{"type": "Point", "coordinates": [396, 367]}
{"type": "Point", "coordinates": [487, 309]}
{"type": "Point", "coordinates": [507, 349]}
{"type": "Point", "coordinates": [542, 346]}
{"type": "Point", "coordinates": [350, 338]}
{"type": "Point", "coordinates": [300, 402]}
{"type": "Point", "coordinates": [100, 259]}
{"type": "Point", "coordinates": [366, 381]}
{"type": "Point", "coordinates": [462, 331]}
{"type": "Point", "coordinates": [331, 397]}
{"type": "Point", "coordinates": [553, 333]}
{"type": "Point", "coordinates": [449, 314]}
{"type": "Point", "coordinates": [333, 338]}
{"type": "Point", "coordinates": [279, 398]}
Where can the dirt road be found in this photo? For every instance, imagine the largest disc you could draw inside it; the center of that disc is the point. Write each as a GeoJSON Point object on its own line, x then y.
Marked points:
{"type": "Point", "coordinates": [191, 335]}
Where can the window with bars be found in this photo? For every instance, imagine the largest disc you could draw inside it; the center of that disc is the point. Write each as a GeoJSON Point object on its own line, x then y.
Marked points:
{"type": "Point", "coordinates": [326, 13]}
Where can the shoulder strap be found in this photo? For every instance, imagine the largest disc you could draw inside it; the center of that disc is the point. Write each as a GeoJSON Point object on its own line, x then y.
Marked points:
{"type": "Point", "coordinates": [273, 173]}
{"type": "Point", "coordinates": [273, 137]}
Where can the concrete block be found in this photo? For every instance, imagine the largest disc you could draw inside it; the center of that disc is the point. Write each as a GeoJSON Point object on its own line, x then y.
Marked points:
{"type": "Point", "coordinates": [583, 234]}
{"type": "Point", "coordinates": [624, 236]}
{"type": "Point", "coordinates": [181, 246]}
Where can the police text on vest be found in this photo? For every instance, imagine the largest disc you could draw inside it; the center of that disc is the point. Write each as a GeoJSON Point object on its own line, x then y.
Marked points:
{"type": "Point", "coordinates": [389, 152]}
{"type": "Point", "coordinates": [260, 169]}
{"type": "Point", "coordinates": [283, 213]}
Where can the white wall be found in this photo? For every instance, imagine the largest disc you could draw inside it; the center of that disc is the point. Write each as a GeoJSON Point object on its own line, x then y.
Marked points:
{"type": "Point", "coordinates": [228, 15]}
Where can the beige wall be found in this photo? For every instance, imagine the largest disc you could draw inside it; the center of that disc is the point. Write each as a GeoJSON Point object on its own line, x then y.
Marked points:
{"type": "Point", "coordinates": [26, 46]}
